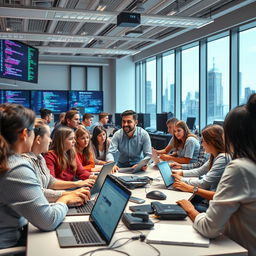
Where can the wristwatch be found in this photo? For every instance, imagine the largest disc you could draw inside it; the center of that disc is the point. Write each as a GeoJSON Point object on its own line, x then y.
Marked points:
{"type": "Point", "coordinates": [195, 189]}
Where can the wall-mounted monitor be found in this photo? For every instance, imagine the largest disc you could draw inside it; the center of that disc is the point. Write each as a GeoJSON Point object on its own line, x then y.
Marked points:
{"type": "Point", "coordinates": [86, 101]}
{"type": "Point", "coordinates": [161, 119]}
{"type": "Point", "coordinates": [18, 61]}
{"type": "Point", "coordinates": [56, 101]}
{"type": "Point", "coordinates": [21, 97]}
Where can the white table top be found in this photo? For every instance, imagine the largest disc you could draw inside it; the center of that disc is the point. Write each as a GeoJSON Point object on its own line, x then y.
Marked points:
{"type": "Point", "coordinates": [46, 243]}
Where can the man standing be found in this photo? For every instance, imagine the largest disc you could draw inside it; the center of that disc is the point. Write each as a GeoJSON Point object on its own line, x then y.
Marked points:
{"type": "Point", "coordinates": [46, 115]}
{"type": "Point", "coordinates": [103, 119]}
{"type": "Point", "coordinates": [132, 142]}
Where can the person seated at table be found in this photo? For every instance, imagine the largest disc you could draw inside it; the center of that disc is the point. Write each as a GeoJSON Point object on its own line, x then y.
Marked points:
{"type": "Point", "coordinates": [87, 121]}
{"type": "Point", "coordinates": [53, 188]}
{"type": "Point", "coordinates": [131, 142]}
{"type": "Point", "coordinates": [208, 175]}
{"type": "Point", "coordinates": [103, 120]}
{"type": "Point", "coordinates": [22, 199]}
{"type": "Point", "coordinates": [185, 143]}
{"type": "Point", "coordinates": [233, 208]}
{"type": "Point", "coordinates": [62, 160]}
{"type": "Point", "coordinates": [100, 144]}
{"type": "Point", "coordinates": [71, 120]}
{"type": "Point", "coordinates": [84, 149]}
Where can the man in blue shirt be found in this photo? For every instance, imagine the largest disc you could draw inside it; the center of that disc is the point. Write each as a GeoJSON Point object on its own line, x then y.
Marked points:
{"type": "Point", "coordinates": [131, 142]}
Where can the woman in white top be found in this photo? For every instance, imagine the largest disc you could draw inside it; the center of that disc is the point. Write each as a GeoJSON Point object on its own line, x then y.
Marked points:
{"type": "Point", "coordinates": [185, 143]}
{"type": "Point", "coordinates": [233, 208]}
{"type": "Point", "coordinates": [100, 144]}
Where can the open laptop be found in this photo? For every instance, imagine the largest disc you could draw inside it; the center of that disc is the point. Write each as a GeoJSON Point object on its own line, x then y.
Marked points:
{"type": "Point", "coordinates": [140, 164]}
{"type": "Point", "coordinates": [86, 208]}
{"type": "Point", "coordinates": [104, 218]}
{"type": "Point", "coordinates": [166, 173]}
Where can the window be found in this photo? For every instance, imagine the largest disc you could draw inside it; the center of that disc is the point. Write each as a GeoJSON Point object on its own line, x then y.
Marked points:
{"type": "Point", "coordinates": [190, 83]}
{"type": "Point", "coordinates": [151, 90]}
{"type": "Point", "coordinates": [168, 83]}
{"type": "Point", "coordinates": [247, 56]}
{"type": "Point", "coordinates": [217, 79]}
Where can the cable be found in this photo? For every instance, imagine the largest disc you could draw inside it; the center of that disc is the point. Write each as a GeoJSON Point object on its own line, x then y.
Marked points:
{"type": "Point", "coordinates": [158, 252]}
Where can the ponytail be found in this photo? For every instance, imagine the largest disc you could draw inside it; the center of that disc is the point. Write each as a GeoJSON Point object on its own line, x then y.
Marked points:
{"type": "Point", "coordinates": [4, 153]}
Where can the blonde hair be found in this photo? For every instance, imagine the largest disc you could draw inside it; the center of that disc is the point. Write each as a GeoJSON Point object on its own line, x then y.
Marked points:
{"type": "Point", "coordinates": [78, 134]}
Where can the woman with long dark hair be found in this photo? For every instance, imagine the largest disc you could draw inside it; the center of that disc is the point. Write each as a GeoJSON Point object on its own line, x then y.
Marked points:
{"type": "Point", "coordinates": [21, 196]}
{"type": "Point", "coordinates": [233, 208]}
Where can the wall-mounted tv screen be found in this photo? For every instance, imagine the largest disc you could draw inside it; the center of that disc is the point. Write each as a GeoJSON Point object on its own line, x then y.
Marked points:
{"type": "Point", "coordinates": [18, 61]}
{"type": "Point", "coordinates": [86, 101]}
{"type": "Point", "coordinates": [21, 97]}
{"type": "Point", "coordinates": [56, 101]}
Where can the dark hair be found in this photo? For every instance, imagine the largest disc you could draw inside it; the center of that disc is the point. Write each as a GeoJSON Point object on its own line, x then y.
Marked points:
{"type": "Point", "coordinates": [96, 131]}
{"type": "Point", "coordinates": [173, 120]}
{"type": "Point", "coordinates": [214, 135]}
{"type": "Point", "coordinates": [240, 130]}
{"type": "Point", "coordinates": [69, 115]}
{"type": "Point", "coordinates": [87, 116]}
{"type": "Point", "coordinates": [45, 112]}
{"type": "Point", "coordinates": [40, 127]}
{"type": "Point", "coordinates": [130, 113]}
{"type": "Point", "coordinates": [13, 120]}
{"type": "Point", "coordinates": [187, 133]}
{"type": "Point", "coordinates": [103, 114]}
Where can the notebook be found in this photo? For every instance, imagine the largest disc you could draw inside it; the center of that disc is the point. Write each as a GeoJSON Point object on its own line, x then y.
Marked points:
{"type": "Point", "coordinates": [166, 173]}
{"type": "Point", "coordinates": [142, 163]}
{"type": "Point", "coordinates": [102, 223]}
{"type": "Point", "coordinates": [176, 234]}
{"type": "Point", "coordinates": [86, 208]}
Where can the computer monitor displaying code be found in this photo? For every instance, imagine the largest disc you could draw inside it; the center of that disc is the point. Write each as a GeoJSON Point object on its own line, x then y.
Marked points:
{"type": "Point", "coordinates": [21, 97]}
{"type": "Point", "coordinates": [86, 101]}
{"type": "Point", "coordinates": [56, 101]}
{"type": "Point", "coordinates": [18, 61]}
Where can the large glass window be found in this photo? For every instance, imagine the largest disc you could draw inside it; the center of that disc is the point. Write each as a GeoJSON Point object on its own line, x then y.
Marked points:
{"type": "Point", "coordinates": [217, 79]}
{"type": "Point", "coordinates": [151, 90]}
{"type": "Point", "coordinates": [247, 56]}
{"type": "Point", "coordinates": [190, 83]}
{"type": "Point", "coordinates": [168, 83]}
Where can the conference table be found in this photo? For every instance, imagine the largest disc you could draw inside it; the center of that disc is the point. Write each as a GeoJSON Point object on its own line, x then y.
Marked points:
{"type": "Point", "coordinates": [46, 243]}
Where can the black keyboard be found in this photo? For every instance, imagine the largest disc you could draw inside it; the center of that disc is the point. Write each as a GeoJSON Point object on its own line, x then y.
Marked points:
{"type": "Point", "coordinates": [84, 233]}
{"type": "Point", "coordinates": [86, 208]}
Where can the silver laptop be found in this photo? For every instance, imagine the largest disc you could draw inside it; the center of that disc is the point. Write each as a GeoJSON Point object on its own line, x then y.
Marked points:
{"type": "Point", "coordinates": [131, 170]}
{"type": "Point", "coordinates": [102, 223]}
{"type": "Point", "coordinates": [166, 173]}
{"type": "Point", "coordinates": [87, 208]}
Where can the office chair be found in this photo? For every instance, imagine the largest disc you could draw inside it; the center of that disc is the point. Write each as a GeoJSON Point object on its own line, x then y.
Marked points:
{"type": "Point", "coordinates": [13, 250]}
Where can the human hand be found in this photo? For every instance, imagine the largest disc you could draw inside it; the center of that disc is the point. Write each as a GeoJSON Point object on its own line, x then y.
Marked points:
{"type": "Point", "coordinates": [75, 198]}
{"type": "Point", "coordinates": [175, 165]}
{"type": "Point", "coordinates": [115, 169]}
{"type": "Point", "coordinates": [85, 183]}
{"type": "Point", "coordinates": [177, 172]}
{"type": "Point", "coordinates": [165, 157]}
{"type": "Point", "coordinates": [176, 176]}
{"type": "Point", "coordinates": [182, 186]}
{"type": "Point", "coordinates": [186, 205]}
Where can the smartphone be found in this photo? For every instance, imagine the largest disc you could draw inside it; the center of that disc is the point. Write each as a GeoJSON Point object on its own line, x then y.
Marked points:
{"type": "Point", "coordinates": [136, 200]}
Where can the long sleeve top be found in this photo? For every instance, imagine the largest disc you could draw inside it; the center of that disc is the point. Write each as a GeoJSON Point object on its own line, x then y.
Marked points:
{"type": "Point", "coordinates": [201, 159]}
{"type": "Point", "coordinates": [57, 171]}
{"type": "Point", "coordinates": [88, 164]}
{"type": "Point", "coordinates": [131, 150]}
{"type": "Point", "coordinates": [210, 178]}
{"type": "Point", "coordinates": [44, 177]}
{"type": "Point", "coordinates": [22, 200]}
{"type": "Point", "coordinates": [101, 156]}
{"type": "Point", "coordinates": [190, 149]}
{"type": "Point", "coordinates": [233, 208]}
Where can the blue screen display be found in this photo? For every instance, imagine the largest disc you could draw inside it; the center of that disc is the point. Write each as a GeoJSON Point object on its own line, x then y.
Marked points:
{"type": "Point", "coordinates": [86, 101]}
{"type": "Point", "coordinates": [166, 173]}
{"type": "Point", "coordinates": [56, 101]}
{"type": "Point", "coordinates": [18, 61]}
{"type": "Point", "coordinates": [15, 96]}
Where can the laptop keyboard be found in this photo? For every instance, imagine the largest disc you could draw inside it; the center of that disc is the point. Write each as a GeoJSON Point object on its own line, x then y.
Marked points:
{"type": "Point", "coordinates": [86, 208]}
{"type": "Point", "coordinates": [84, 233]}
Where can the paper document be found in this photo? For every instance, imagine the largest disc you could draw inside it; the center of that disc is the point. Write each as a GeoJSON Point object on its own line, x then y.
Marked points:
{"type": "Point", "coordinates": [176, 234]}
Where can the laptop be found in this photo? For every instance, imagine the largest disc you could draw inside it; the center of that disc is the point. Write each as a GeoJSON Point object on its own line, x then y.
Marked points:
{"type": "Point", "coordinates": [102, 223]}
{"type": "Point", "coordinates": [140, 164]}
{"type": "Point", "coordinates": [166, 173]}
{"type": "Point", "coordinates": [87, 207]}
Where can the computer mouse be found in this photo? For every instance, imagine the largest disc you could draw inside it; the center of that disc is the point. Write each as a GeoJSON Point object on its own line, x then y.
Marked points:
{"type": "Point", "coordinates": [155, 194]}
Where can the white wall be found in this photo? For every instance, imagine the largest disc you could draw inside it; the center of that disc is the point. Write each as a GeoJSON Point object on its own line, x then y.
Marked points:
{"type": "Point", "coordinates": [125, 84]}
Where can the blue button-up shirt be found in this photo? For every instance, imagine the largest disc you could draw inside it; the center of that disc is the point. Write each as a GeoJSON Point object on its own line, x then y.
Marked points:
{"type": "Point", "coordinates": [131, 150]}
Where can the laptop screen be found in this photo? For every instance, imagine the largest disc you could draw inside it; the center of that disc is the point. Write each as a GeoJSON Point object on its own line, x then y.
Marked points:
{"type": "Point", "coordinates": [109, 207]}
{"type": "Point", "coordinates": [166, 173]}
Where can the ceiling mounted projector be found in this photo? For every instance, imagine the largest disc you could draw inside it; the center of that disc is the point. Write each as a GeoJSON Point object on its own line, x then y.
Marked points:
{"type": "Point", "coordinates": [127, 19]}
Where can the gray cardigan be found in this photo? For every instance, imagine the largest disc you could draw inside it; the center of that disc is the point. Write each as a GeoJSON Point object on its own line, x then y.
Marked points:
{"type": "Point", "coordinates": [22, 200]}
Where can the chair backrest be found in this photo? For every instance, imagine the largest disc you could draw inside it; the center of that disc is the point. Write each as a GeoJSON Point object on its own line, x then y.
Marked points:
{"type": "Point", "coordinates": [13, 250]}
